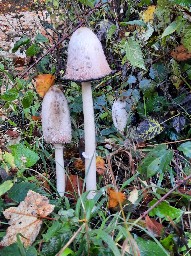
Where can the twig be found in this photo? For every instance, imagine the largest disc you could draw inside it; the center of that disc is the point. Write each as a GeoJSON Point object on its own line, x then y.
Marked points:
{"type": "Point", "coordinates": [70, 241]}
{"type": "Point", "coordinates": [164, 197]}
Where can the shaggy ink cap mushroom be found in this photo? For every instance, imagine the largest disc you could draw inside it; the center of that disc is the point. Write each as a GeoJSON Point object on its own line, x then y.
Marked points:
{"type": "Point", "coordinates": [56, 127]}
{"type": "Point", "coordinates": [87, 62]}
{"type": "Point", "coordinates": [86, 59]}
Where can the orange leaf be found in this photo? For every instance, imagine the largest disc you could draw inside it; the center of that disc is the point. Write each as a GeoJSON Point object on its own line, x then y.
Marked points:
{"type": "Point", "coordinates": [154, 226]}
{"type": "Point", "coordinates": [36, 118]}
{"type": "Point", "coordinates": [79, 164]}
{"type": "Point", "coordinates": [43, 82]}
{"type": "Point", "coordinates": [115, 198]}
{"type": "Point", "coordinates": [180, 53]}
{"type": "Point", "coordinates": [100, 165]}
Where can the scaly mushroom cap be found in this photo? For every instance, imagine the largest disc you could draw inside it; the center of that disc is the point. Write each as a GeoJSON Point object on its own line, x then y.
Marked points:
{"type": "Point", "coordinates": [119, 115]}
{"type": "Point", "coordinates": [86, 59]}
{"type": "Point", "coordinates": [56, 124]}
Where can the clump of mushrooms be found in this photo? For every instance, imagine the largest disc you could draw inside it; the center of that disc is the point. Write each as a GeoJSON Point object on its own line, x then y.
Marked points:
{"type": "Point", "coordinates": [56, 127]}
{"type": "Point", "coordinates": [86, 62]}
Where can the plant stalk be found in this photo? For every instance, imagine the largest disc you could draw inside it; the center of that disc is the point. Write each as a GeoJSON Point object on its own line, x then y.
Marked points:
{"type": "Point", "coordinates": [60, 172]}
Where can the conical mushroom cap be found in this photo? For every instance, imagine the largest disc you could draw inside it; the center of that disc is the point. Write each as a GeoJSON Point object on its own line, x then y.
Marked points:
{"type": "Point", "coordinates": [119, 115]}
{"type": "Point", "coordinates": [86, 59]}
{"type": "Point", "coordinates": [56, 124]}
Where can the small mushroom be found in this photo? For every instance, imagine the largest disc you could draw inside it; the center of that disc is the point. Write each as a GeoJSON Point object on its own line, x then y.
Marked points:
{"type": "Point", "coordinates": [119, 115]}
{"type": "Point", "coordinates": [56, 127]}
{"type": "Point", "coordinates": [86, 62]}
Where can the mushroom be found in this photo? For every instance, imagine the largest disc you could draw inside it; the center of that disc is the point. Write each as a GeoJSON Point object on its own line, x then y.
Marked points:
{"type": "Point", "coordinates": [86, 61]}
{"type": "Point", "coordinates": [56, 127]}
{"type": "Point", "coordinates": [119, 115]}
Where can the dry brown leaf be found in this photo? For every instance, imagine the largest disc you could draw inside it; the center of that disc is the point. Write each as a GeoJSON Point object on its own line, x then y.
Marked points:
{"type": "Point", "coordinates": [100, 165]}
{"type": "Point", "coordinates": [26, 219]}
{"type": "Point", "coordinates": [180, 53]}
{"type": "Point", "coordinates": [73, 185]}
{"type": "Point", "coordinates": [36, 118]}
{"type": "Point", "coordinates": [115, 198]}
{"type": "Point", "coordinates": [154, 226]}
{"type": "Point", "coordinates": [43, 82]}
{"type": "Point", "coordinates": [79, 164]}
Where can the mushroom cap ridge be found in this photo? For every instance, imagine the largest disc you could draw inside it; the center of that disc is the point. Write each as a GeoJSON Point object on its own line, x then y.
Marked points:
{"type": "Point", "coordinates": [56, 124]}
{"type": "Point", "coordinates": [86, 60]}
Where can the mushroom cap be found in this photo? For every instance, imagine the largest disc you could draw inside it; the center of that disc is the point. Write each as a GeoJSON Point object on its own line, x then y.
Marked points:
{"type": "Point", "coordinates": [86, 59]}
{"type": "Point", "coordinates": [119, 115]}
{"type": "Point", "coordinates": [56, 124]}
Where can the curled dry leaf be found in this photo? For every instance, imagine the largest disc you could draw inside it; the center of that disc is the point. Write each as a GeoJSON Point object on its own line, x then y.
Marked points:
{"type": "Point", "coordinates": [26, 219]}
{"type": "Point", "coordinates": [154, 226]}
{"type": "Point", "coordinates": [79, 164]}
{"type": "Point", "coordinates": [43, 82]}
{"type": "Point", "coordinates": [100, 165]}
{"type": "Point", "coordinates": [115, 198]}
{"type": "Point", "coordinates": [180, 53]}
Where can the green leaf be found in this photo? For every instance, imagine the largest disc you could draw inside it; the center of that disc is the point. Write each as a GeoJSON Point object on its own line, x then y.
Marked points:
{"type": "Point", "coordinates": [41, 39]}
{"type": "Point", "coordinates": [23, 41]}
{"type": "Point", "coordinates": [19, 191]}
{"type": "Point", "coordinates": [9, 158]}
{"type": "Point", "coordinates": [186, 148]}
{"type": "Point", "coordinates": [164, 210]}
{"type": "Point", "coordinates": [33, 50]}
{"type": "Point", "coordinates": [5, 187]}
{"type": "Point", "coordinates": [157, 161]}
{"type": "Point", "coordinates": [56, 229]}
{"type": "Point", "coordinates": [108, 240]}
{"type": "Point", "coordinates": [134, 53]}
{"type": "Point", "coordinates": [67, 252]}
{"type": "Point", "coordinates": [11, 250]}
{"type": "Point", "coordinates": [148, 247]}
{"type": "Point", "coordinates": [28, 99]}
{"type": "Point", "coordinates": [186, 40]}
{"type": "Point", "coordinates": [1, 67]}
{"type": "Point", "coordinates": [171, 28]}
{"type": "Point", "coordinates": [10, 95]}
{"type": "Point", "coordinates": [23, 155]}
{"type": "Point", "coordinates": [89, 3]}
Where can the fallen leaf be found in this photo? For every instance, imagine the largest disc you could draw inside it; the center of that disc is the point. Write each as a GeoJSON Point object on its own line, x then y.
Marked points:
{"type": "Point", "coordinates": [148, 14]}
{"type": "Point", "coordinates": [154, 226]}
{"type": "Point", "coordinates": [115, 198]}
{"type": "Point", "coordinates": [36, 118]}
{"type": "Point", "coordinates": [180, 53]}
{"type": "Point", "coordinates": [100, 165]}
{"type": "Point", "coordinates": [43, 180]}
{"type": "Point", "coordinates": [12, 133]}
{"type": "Point", "coordinates": [43, 82]}
{"type": "Point", "coordinates": [26, 219]}
{"type": "Point", "coordinates": [79, 164]}
{"type": "Point", "coordinates": [133, 196]}
{"type": "Point", "coordinates": [73, 185]}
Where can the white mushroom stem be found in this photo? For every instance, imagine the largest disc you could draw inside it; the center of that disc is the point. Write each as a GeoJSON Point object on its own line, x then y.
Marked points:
{"type": "Point", "coordinates": [90, 145]}
{"type": "Point", "coordinates": [60, 172]}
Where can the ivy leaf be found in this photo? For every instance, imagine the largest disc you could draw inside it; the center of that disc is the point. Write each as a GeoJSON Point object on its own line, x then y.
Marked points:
{"type": "Point", "coordinates": [5, 187]}
{"type": "Point", "coordinates": [23, 41]}
{"type": "Point", "coordinates": [186, 148]}
{"type": "Point", "coordinates": [134, 53]}
{"type": "Point", "coordinates": [23, 155]}
{"type": "Point", "coordinates": [148, 129]}
{"type": "Point", "coordinates": [157, 161]}
{"type": "Point", "coordinates": [165, 210]}
{"type": "Point", "coordinates": [33, 50]}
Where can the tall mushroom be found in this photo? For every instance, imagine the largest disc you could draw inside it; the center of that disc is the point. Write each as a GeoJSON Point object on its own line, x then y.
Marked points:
{"type": "Point", "coordinates": [86, 62]}
{"type": "Point", "coordinates": [56, 127]}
